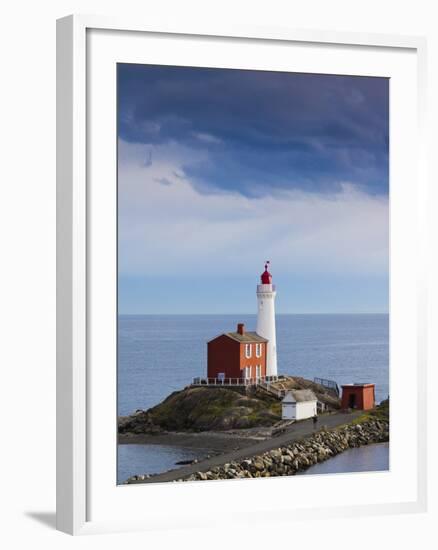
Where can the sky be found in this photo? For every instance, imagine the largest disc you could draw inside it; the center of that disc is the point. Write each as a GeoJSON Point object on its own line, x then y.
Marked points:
{"type": "Point", "coordinates": [222, 169]}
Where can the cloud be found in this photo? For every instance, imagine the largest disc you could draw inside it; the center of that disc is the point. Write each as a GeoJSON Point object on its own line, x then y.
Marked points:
{"type": "Point", "coordinates": [206, 138]}
{"type": "Point", "coordinates": [174, 230]}
{"type": "Point", "coordinates": [263, 131]}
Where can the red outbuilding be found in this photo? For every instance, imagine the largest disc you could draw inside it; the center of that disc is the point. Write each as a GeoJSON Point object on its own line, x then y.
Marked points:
{"type": "Point", "coordinates": [358, 396]}
{"type": "Point", "coordinates": [236, 357]}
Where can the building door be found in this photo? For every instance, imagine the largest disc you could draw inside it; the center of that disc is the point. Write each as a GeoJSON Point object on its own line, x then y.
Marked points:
{"type": "Point", "coordinates": [352, 401]}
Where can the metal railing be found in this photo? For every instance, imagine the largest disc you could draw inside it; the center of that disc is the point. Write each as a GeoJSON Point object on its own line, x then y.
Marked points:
{"type": "Point", "coordinates": [331, 384]}
{"type": "Point", "coordinates": [272, 391]}
{"type": "Point", "coordinates": [198, 381]}
{"type": "Point", "coordinates": [266, 288]}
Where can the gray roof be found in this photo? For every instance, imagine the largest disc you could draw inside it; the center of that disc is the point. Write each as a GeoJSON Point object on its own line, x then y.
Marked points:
{"type": "Point", "coordinates": [297, 396]}
{"type": "Point", "coordinates": [246, 337]}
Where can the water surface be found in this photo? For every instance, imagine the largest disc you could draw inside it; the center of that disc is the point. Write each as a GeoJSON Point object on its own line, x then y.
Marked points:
{"type": "Point", "coordinates": [152, 459]}
{"type": "Point", "coordinates": [370, 458]}
{"type": "Point", "coordinates": [159, 354]}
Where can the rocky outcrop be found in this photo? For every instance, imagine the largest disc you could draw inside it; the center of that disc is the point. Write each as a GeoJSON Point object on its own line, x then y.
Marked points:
{"type": "Point", "coordinates": [301, 455]}
{"type": "Point", "coordinates": [204, 409]}
{"type": "Point", "coordinates": [199, 409]}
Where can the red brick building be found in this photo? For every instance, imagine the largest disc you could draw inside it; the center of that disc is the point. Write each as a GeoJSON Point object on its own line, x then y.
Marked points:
{"type": "Point", "coordinates": [239, 355]}
{"type": "Point", "coordinates": [358, 396]}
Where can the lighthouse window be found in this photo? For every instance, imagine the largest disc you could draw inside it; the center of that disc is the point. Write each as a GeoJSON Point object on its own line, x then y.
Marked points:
{"type": "Point", "coordinates": [258, 350]}
{"type": "Point", "coordinates": [248, 350]}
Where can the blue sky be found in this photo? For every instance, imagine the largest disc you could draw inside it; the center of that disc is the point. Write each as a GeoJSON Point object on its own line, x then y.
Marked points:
{"type": "Point", "coordinates": [221, 169]}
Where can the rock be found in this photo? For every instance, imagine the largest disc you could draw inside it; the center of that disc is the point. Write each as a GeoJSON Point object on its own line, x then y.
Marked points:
{"type": "Point", "coordinates": [259, 465]}
{"type": "Point", "coordinates": [287, 460]}
{"type": "Point", "coordinates": [298, 456]}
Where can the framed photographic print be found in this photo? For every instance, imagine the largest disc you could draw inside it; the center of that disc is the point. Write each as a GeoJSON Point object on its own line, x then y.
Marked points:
{"type": "Point", "coordinates": [241, 296]}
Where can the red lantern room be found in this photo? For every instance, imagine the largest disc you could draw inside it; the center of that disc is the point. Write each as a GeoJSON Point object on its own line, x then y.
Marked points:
{"type": "Point", "coordinates": [266, 276]}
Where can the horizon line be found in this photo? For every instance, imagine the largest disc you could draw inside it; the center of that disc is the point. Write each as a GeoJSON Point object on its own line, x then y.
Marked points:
{"type": "Point", "coordinates": [283, 313]}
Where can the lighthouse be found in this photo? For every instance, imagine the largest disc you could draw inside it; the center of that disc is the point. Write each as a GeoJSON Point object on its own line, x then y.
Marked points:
{"type": "Point", "coordinates": [266, 319]}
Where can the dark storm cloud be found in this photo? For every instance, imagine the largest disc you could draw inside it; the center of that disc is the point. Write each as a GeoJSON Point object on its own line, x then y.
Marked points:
{"type": "Point", "coordinates": [263, 131]}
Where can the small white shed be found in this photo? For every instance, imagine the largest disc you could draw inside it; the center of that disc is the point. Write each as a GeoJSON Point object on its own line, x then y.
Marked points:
{"type": "Point", "coordinates": [299, 404]}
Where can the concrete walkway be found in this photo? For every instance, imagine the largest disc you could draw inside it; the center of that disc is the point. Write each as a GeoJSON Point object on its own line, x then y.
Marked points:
{"type": "Point", "coordinates": [293, 433]}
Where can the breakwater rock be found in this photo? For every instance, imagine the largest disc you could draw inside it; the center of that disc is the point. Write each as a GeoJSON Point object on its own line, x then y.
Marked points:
{"type": "Point", "coordinates": [300, 455]}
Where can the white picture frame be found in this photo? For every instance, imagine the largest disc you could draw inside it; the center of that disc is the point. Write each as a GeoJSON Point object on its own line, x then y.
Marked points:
{"type": "Point", "coordinates": [77, 305]}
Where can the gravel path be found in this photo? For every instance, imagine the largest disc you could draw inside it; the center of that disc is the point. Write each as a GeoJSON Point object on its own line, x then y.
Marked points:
{"type": "Point", "coordinates": [293, 433]}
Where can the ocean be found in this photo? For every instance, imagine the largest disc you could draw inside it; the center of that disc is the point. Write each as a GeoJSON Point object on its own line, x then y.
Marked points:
{"type": "Point", "coordinates": [158, 354]}
{"type": "Point", "coordinates": [370, 458]}
{"type": "Point", "coordinates": [135, 459]}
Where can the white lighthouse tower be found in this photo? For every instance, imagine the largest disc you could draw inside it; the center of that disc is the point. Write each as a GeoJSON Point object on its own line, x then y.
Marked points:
{"type": "Point", "coordinates": [266, 319]}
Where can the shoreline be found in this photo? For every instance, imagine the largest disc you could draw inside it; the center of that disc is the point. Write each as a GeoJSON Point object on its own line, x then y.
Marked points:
{"type": "Point", "coordinates": [301, 455]}
{"type": "Point", "coordinates": [299, 431]}
{"type": "Point", "coordinates": [212, 441]}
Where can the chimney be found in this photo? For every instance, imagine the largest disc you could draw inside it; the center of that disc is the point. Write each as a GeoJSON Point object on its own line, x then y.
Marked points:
{"type": "Point", "coordinates": [241, 328]}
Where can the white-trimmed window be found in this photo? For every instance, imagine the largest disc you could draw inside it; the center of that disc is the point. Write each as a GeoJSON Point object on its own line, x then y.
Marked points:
{"type": "Point", "coordinates": [258, 350]}
{"type": "Point", "coordinates": [258, 371]}
{"type": "Point", "coordinates": [247, 372]}
{"type": "Point", "coordinates": [248, 350]}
